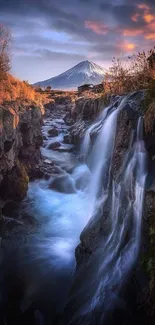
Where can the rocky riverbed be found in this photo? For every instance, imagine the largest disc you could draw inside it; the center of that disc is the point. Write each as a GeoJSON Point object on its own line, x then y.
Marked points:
{"type": "Point", "coordinates": [39, 234]}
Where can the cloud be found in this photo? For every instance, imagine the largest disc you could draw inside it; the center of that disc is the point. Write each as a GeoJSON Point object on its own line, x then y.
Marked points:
{"type": "Point", "coordinates": [97, 27]}
{"type": "Point", "coordinates": [51, 36]}
{"type": "Point", "coordinates": [127, 47]}
{"type": "Point", "coordinates": [150, 36]}
{"type": "Point", "coordinates": [132, 32]}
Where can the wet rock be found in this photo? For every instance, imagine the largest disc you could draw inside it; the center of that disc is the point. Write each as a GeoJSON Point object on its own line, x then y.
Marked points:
{"type": "Point", "coordinates": [8, 145]}
{"type": "Point", "coordinates": [67, 139]}
{"type": "Point", "coordinates": [88, 107]}
{"type": "Point", "coordinates": [49, 162]}
{"type": "Point", "coordinates": [53, 132]}
{"type": "Point", "coordinates": [145, 280]}
{"type": "Point", "coordinates": [15, 183]}
{"type": "Point", "coordinates": [36, 172]}
{"type": "Point", "coordinates": [69, 120]}
{"type": "Point", "coordinates": [77, 131]}
{"type": "Point", "coordinates": [9, 208]}
{"type": "Point", "coordinates": [63, 100]}
{"type": "Point", "coordinates": [63, 184]}
{"type": "Point", "coordinates": [82, 158]}
{"type": "Point", "coordinates": [54, 145]}
{"type": "Point", "coordinates": [57, 170]}
{"type": "Point", "coordinates": [30, 128]}
{"type": "Point", "coordinates": [127, 121]}
{"type": "Point", "coordinates": [64, 149]}
{"type": "Point", "coordinates": [49, 107]}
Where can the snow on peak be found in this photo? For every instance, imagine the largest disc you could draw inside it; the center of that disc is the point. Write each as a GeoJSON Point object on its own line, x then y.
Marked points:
{"type": "Point", "coordinates": [83, 72]}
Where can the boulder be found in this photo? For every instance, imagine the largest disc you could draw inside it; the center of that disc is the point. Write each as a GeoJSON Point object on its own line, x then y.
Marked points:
{"type": "Point", "coordinates": [63, 184]}
{"type": "Point", "coordinates": [53, 132]}
{"type": "Point", "coordinates": [54, 145]}
{"type": "Point", "coordinates": [67, 139]}
{"type": "Point", "coordinates": [64, 149]}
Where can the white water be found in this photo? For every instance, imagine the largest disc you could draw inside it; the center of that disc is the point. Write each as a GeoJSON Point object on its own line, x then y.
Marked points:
{"type": "Point", "coordinates": [118, 250]}
{"type": "Point", "coordinates": [64, 215]}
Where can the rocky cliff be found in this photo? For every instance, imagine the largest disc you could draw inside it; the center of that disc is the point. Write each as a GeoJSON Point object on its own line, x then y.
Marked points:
{"type": "Point", "coordinates": [20, 140]}
{"type": "Point", "coordinates": [82, 112]}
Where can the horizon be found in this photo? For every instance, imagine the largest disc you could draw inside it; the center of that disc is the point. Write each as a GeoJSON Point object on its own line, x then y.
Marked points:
{"type": "Point", "coordinates": [48, 39]}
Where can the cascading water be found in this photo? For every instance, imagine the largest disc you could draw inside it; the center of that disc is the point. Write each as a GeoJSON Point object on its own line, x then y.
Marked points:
{"type": "Point", "coordinates": [91, 194]}
{"type": "Point", "coordinates": [118, 250]}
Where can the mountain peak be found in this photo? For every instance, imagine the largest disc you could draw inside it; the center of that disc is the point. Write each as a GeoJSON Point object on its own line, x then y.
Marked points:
{"type": "Point", "coordinates": [84, 72]}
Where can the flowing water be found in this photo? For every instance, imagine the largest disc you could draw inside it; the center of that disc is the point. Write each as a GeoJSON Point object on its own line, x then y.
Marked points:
{"type": "Point", "coordinates": [62, 214]}
{"type": "Point", "coordinates": [109, 267]}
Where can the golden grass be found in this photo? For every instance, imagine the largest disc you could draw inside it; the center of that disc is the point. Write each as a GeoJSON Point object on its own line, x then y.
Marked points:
{"type": "Point", "coordinates": [12, 89]}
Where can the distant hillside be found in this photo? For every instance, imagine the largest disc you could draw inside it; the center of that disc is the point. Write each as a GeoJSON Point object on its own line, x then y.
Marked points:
{"type": "Point", "coordinates": [84, 72]}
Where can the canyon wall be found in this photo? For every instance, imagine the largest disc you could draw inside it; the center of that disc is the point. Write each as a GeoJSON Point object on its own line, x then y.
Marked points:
{"type": "Point", "coordinates": [20, 140]}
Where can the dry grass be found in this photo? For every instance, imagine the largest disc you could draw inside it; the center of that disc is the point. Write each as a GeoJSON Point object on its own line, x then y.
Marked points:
{"type": "Point", "coordinates": [12, 89]}
{"type": "Point", "coordinates": [129, 75]}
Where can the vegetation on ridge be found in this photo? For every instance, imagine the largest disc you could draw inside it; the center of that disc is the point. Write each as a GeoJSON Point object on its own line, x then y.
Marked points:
{"type": "Point", "coordinates": [11, 88]}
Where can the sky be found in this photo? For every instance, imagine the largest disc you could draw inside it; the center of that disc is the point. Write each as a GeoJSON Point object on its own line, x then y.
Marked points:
{"type": "Point", "coordinates": [51, 36]}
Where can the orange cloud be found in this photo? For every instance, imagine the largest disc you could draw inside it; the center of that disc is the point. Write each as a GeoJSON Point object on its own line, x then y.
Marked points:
{"type": "Point", "coordinates": [151, 26]}
{"type": "Point", "coordinates": [150, 36]}
{"type": "Point", "coordinates": [132, 32]}
{"type": "Point", "coordinates": [143, 6]}
{"type": "Point", "coordinates": [96, 27]}
{"type": "Point", "coordinates": [148, 18]}
{"type": "Point", "coordinates": [144, 13]}
{"type": "Point", "coordinates": [130, 46]}
{"type": "Point", "coordinates": [135, 17]}
{"type": "Point", "coordinates": [126, 47]}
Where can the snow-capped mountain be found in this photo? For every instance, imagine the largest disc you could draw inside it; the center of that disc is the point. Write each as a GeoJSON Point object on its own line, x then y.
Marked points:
{"type": "Point", "coordinates": [86, 72]}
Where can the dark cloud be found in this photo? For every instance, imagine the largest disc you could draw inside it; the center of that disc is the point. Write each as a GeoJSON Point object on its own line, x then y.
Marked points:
{"type": "Point", "coordinates": [65, 32]}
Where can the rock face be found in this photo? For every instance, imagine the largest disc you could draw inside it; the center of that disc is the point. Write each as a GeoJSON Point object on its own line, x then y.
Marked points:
{"type": "Point", "coordinates": [126, 123]}
{"type": "Point", "coordinates": [83, 111]}
{"type": "Point", "coordinates": [88, 107]}
{"type": "Point", "coordinates": [20, 140]}
{"type": "Point", "coordinates": [30, 129]}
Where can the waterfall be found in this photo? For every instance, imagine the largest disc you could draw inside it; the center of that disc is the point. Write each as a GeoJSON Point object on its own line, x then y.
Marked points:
{"type": "Point", "coordinates": [102, 277]}
{"type": "Point", "coordinates": [87, 198]}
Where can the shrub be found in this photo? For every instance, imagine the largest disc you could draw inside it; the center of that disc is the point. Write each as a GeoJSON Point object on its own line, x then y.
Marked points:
{"type": "Point", "coordinates": [129, 75]}
{"type": "Point", "coordinates": [4, 52]}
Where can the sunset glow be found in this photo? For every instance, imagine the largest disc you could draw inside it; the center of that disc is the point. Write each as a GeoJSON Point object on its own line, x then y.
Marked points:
{"type": "Point", "coordinates": [143, 6]}
{"type": "Point", "coordinates": [54, 36]}
{"type": "Point", "coordinates": [130, 46]}
{"type": "Point", "coordinates": [132, 32]}
{"type": "Point", "coordinates": [96, 27]}
{"type": "Point", "coordinates": [135, 17]}
{"type": "Point", "coordinates": [148, 18]}
{"type": "Point", "coordinates": [150, 36]}
{"type": "Point", "coordinates": [127, 47]}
